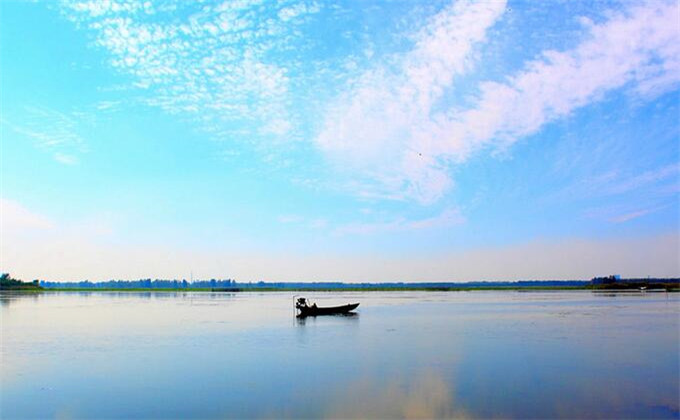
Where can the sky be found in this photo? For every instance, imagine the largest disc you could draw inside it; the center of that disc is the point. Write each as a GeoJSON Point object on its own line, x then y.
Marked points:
{"type": "Point", "coordinates": [339, 141]}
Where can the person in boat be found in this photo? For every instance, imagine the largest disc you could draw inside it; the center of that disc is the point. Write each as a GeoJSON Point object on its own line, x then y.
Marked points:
{"type": "Point", "coordinates": [306, 309]}
{"type": "Point", "coordinates": [302, 303]}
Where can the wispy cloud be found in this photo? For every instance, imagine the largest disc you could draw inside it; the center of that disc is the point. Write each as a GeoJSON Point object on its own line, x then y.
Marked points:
{"type": "Point", "coordinates": [645, 179]}
{"type": "Point", "coordinates": [243, 72]}
{"type": "Point", "coordinates": [636, 47]}
{"type": "Point", "coordinates": [621, 213]}
{"type": "Point", "coordinates": [103, 106]}
{"type": "Point", "coordinates": [655, 189]}
{"type": "Point", "coordinates": [65, 159]}
{"type": "Point", "coordinates": [448, 218]}
{"type": "Point", "coordinates": [633, 215]}
{"type": "Point", "coordinates": [376, 125]}
{"type": "Point", "coordinates": [210, 63]}
{"type": "Point", "coordinates": [51, 131]}
{"type": "Point", "coordinates": [619, 181]}
{"type": "Point", "coordinates": [406, 147]}
{"type": "Point", "coordinates": [381, 223]}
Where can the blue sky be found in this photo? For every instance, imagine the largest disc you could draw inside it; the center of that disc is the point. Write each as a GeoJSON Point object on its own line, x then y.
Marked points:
{"type": "Point", "coordinates": [355, 141]}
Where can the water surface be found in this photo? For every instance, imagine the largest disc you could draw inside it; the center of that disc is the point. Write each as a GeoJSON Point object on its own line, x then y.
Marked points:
{"type": "Point", "coordinates": [406, 354]}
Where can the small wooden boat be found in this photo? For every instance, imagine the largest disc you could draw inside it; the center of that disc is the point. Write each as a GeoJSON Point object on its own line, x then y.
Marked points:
{"type": "Point", "coordinates": [312, 310]}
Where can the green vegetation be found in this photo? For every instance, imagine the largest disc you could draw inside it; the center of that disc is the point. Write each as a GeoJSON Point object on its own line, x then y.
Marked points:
{"type": "Point", "coordinates": [321, 289]}
{"type": "Point", "coordinates": [9, 283]}
{"type": "Point", "coordinates": [379, 288]}
{"type": "Point", "coordinates": [132, 289]}
{"type": "Point", "coordinates": [610, 283]}
{"type": "Point", "coordinates": [671, 287]}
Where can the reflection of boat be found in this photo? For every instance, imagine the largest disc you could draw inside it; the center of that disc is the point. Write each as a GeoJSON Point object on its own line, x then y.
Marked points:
{"type": "Point", "coordinates": [305, 309]}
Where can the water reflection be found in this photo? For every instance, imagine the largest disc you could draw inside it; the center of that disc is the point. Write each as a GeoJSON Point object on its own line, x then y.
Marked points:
{"type": "Point", "coordinates": [305, 320]}
{"type": "Point", "coordinates": [405, 355]}
{"type": "Point", "coordinates": [424, 396]}
{"type": "Point", "coordinates": [8, 297]}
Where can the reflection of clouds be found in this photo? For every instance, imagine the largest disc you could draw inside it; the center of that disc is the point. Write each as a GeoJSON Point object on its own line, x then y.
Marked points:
{"type": "Point", "coordinates": [422, 396]}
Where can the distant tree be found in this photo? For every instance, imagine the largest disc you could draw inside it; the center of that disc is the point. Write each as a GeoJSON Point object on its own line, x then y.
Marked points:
{"type": "Point", "coordinates": [7, 282]}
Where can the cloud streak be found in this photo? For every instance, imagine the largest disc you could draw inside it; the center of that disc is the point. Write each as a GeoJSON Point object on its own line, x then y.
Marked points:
{"type": "Point", "coordinates": [633, 215]}
{"type": "Point", "coordinates": [54, 132]}
{"type": "Point", "coordinates": [448, 218]}
{"type": "Point", "coordinates": [375, 125]}
{"type": "Point", "coordinates": [405, 147]}
{"type": "Point", "coordinates": [640, 47]}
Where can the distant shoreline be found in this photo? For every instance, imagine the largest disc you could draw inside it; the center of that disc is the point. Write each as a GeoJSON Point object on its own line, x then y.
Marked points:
{"type": "Point", "coordinates": [610, 283]}
{"type": "Point", "coordinates": [600, 288]}
{"type": "Point", "coordinates": [314, 289]}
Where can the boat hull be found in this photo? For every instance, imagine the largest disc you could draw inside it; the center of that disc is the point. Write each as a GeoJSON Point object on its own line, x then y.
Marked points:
{"type": "Point", "coordinates": [332, 310]}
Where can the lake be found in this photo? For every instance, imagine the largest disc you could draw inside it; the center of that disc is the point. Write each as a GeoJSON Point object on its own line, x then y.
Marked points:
{"type": "Point", "coordinates": [478, 354]}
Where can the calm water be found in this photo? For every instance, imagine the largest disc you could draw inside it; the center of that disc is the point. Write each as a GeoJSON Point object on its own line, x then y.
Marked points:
{"type": "Point", "coordinates": [420, 354]}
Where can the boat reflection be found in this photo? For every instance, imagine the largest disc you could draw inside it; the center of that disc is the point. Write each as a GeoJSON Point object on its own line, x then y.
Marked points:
{"type": "Point", "coordinates": [304, 320]}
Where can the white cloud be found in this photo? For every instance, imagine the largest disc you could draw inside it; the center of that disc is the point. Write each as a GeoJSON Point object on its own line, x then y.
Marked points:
{"type": "Point", "coordinates": [234, 69]}
{"type": "Point", "coordinates": [375, 126]}
{"type": "Point", "coordinates": [65, 159]}
{"type": "Point", "coordinates": [386, 125]}
{"type": "Point", "coordinates": [210, 64]}
{"type": "Point", "coordinates": [298, 9]}
{"type": "Point", "coordinates": [639, 46]}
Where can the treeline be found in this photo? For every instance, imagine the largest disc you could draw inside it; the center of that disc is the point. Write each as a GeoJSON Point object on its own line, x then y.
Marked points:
{"type": "Point", "coordinates": [615, 283]}
{"type": "Point", "coordinates": [9, 283]}
{"type": "Point", "coordinates": [233, 285]}
{"type": "Point", "coordinates": [647, 280]}
{"type": "Point", "coordinates": [229, 284]}
{"type": "Point", "coordinates": [413, 285]}
{"type": "Point", "coordinates": [140, 284]}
